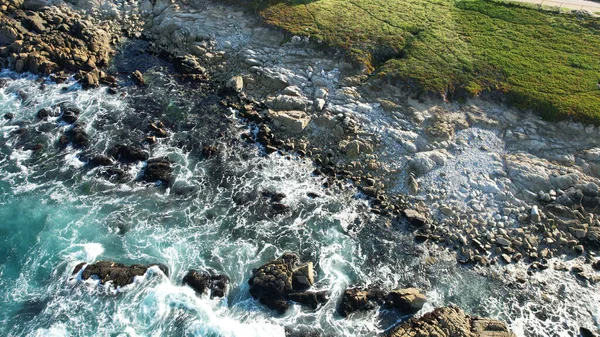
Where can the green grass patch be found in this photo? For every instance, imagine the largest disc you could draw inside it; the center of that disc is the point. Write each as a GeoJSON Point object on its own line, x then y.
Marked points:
{"type": "Point", "coordinates": [544, 61]}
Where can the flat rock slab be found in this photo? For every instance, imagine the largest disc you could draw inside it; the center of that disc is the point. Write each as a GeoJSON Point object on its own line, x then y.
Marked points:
{"type": "Point", "coordinates": [117, 273]}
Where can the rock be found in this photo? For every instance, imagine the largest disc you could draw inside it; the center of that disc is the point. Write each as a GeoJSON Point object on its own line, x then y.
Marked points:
{"type": "Point", "coordinates": [209, 151]}
{"type": "Point", "coordinates": [535, 214]}
{"type": "Point", "coordinates": [203, 282]}
{"type": "Point", "coordinates": [188, 65]}
{"type": "Point", "coordinates": [584, 332]}
{"type": "Point", "coordinates": [356, 299]}
{"type": "Point", "coordinates": [69, 113]}
{"type": "Point", "coordinates": [450, 322]}
{"type": "Point", "coordinates": [596, 264]}
{"type": "Point", "coordinates": [415, 218]}
{"type": "Point", "coordinates": [288, 103]}
{"type": "Point", "coordinates": [100, 160]}
{"type": "Point", "coordinates": [309, 298]}
{"type": "Point", "coordinates": [273, 282]}
{"type": "Point", "coordinates": [117, 273]}
{"type": "Point", "coordinates": [236, 83]}
{"type": "Point", "coordinates": [292, 121]}
{"type": "Point", "coordinates": [158, 170]}
{"type": "Point", "coordinates": [44, 113]}
{"type": "Point", "coordinates": [9, 115]}
{"type": "Point", "coordinates": [128, 153]}
{"type": "Point", "coordinates": [406, 301]}
{"type": "Point", "coordinates": [421, 164]}
{"type": "Point", "coordinates": [503, 241]}
{"type": "Point", "coordinates": [78, 137]}
{"type": "Point", "coordinates": [138, 78]}
{"type": "Point", "coordinates": [370, 191]}
{"type": "Point", "coordinates": [303, 277]}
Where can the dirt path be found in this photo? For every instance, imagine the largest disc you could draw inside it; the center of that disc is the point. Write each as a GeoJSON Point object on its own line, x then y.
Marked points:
{"type": "Point", "coordinates": [590, 6]}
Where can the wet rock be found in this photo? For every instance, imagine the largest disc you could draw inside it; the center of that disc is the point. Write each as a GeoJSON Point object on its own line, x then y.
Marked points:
{"type": "Point", "coordinates": [116, 273]}
{"type": "Point", "coordinates": [309, 298]}
{"type": "Point", "coordinates": [202, 282]}
{"type": "Point", "coordinates": [69, 113]}
{"type": "Point", "coordinates": [158, 170]}
{"type": "Point", "coordinates": [44, 113]}
{"type": "Point", "coordinates": [9, 115]}
{"type": "Point", "coordinates": [415, 218]}
{"type": "Point", "coordinates": [274, 196]}
{"type": "Point", "coordinates": [273, 282]}
{"type": "Point", "coordinates": [128, 153]}
{"type": "Point", "coordinates": [406, 301]}
{"type": "Point", "coordinates": [356, 299]}
{"type": "Point", "coordinates": [159, 130]}
{"type": "Point", "coordinates": [138, 78]}
{"type": "Point", "coordinates": [596, 264]}
{"type": "Point", "coordinates": [100, 160]}
{"type": "Point", "coordinates": [585, 332]}
{"type": "Point", "coordinates": [78, 137]}
{"type": "Point", "coordinates": [189, 65]}
{"type": "Point", "coordinates": [209, 151]}
{"type": "Point", "coordinates": [450, 322]}
{"type": "Point", "coordinates": [112, 174]}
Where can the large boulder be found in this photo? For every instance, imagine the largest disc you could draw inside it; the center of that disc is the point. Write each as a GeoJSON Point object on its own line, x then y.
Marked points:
{"type": "Point", "coordinates": [117, 274]}
{"type": "Point", "coordinates": [203, 282]}
{"type": "Point", "coordinates": [406, 301]}
{"type": "Point", "coordinates": [293, 122]}
{"type": "Point", "coordinates": [283, 279]}
{"type": "Point", "coordinates": [450, 322]}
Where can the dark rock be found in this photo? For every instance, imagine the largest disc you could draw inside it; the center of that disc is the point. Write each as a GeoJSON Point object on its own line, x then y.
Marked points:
{"type": "Point", "coordinates": [280, 208]}
{"type": "Point", "coordinates": [138, 78]}
{"type": "Point", "coordinates": [9, 115]}
{"type": "Point", "coordinates": [100, 160]}
{"type": "Point", "coordinates": [44, 113]}
{"type": "Point", "coordinates": [128, 153]}
{"type": "Point", "coordinates": [356, 299]}
{"type": "Point", "coordinates": [70, 113]}
{"type": "Point", "coordinates": [270, 149]}
{"type": "Point", "coordinates": [370, 191]}
{"type": "Point", "coordinates": [188, 64]}
{"type": "Point", "coordinates": [309, 298]}
{"type": "Point", "coordinates": [209, 151]}
{"type": "Point", "coordinates": [202, 282]}
{"type": "Point", "coordinates": [112, 174]}
{"type": "Point", "coordinates": [415, 218]}
{"type": "Point", "coordinates": [158, 169]}
{"type": "Point", "coordinates": [159, 130]}
{"type": "Point", "coordinates": [274, 196]}
{"type": "Point", "coordinates": [78, 137]}
{"type": "Point", "coordinates": [596, 264]}
{"type": "Point", "coordinates": [273, 282]}
{"type": "Point", "coordinates": [585, 332]}
{"type": "Point", "coordinates": [117, 273]}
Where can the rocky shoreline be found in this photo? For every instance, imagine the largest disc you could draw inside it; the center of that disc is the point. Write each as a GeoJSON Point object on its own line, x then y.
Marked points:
{"type": "Point", "coordinates": [495, 186]}
{"type": "Point", "coordinates": [284, 279]}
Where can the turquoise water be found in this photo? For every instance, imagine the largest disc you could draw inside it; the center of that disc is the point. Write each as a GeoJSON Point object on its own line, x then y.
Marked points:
{"type": "Point", "coordinates": [55, 212]}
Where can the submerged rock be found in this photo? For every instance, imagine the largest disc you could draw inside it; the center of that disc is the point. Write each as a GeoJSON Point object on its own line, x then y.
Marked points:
{"type": "Point", "coordinates": [117, 273]}
{"type": "Point", "coordinates": [283, 279]}
{"type": "Point", "coordinates": [451, 322]}
{"type": "Point", "coordinates": [202, 282]}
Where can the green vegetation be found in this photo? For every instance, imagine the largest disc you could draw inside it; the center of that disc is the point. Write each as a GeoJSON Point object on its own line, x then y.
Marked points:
{"type": "Point", "coordinates": [545, 61]}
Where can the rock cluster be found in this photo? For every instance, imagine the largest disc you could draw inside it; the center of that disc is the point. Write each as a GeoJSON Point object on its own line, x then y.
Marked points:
{"type": "Point", "coordinates": [450, 322]}
{"type": "Point", "coordinates": [203, 282]}
{"type": "Point", "coordinates": [284, 279]}
{"type": "Point", "coordinates": [405, 301]}
{"type": "Point", "coordinates": [117, 274]}
{"type": "Point", "coordinates": [44, 39]}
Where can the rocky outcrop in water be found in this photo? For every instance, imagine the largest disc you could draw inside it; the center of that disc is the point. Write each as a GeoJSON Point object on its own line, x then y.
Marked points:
{"type": "Point", "coordinates": [45, 39]}
{"type": "Point", "coordinates": [451, 322]}
{"type": "Point", "coordinates": [405, 301]}
{"type": "Point", "coordinates": [216, 284]}
{"type": "Point", "coordinates": [283, 279]}
{"type": "Point", "coordinates": [117, 274]}
{"type": "Point", "coordinates": [158, 170]}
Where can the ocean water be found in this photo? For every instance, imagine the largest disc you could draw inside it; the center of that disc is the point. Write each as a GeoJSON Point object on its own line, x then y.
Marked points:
{"type": "Point", "coordinates": [56, 212]}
